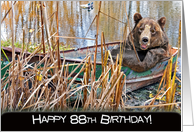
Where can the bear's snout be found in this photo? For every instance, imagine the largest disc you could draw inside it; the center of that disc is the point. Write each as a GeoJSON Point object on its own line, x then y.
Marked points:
{"type": "Point", "coordinates": [145, 40]}
{"type": "Point", "coordinates": [144, 43]}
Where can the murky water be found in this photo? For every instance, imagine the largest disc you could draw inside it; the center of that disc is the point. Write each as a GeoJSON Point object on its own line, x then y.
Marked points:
{"type": "Point", "coordinates": [75, 21]}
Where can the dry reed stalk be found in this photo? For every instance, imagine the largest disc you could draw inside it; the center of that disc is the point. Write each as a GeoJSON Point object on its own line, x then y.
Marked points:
{"type": "Point", "coordinates": [158, 92]}
{"type": "Point", "coordinates": [57, 39]}
{"type": "Point", "coordinates": [59, 79]}
{"type": "Point", "coordinates": [153, 99]}
{"type": "Point", "coordinates": [105, 69]}
{"type": "Point", "coordinates": [2, 98]}
{"type": "Point", "coordinates": [48, 80]}
{"type": "Point", "coordinates": [89, 28]}
{"type": "Point", "coordinates": [27, 59]}
{"type": "Point", "coordinates": [17, 80]}
{"type": "Point", "coordinates": [44, 24]}
{"type": "Point", "coordinates": [36, 76]}
{"type": "Point", "coordinates": [102, 57]}
{"type": "Point", "coordinates": [89, 98]}
{"type": "Point", "coordinates": [8, 12]}
{"type": "Point", "coordinates": [148, 106]}
{"type": "Point", "coordinates": [100, 80]}
{"type": "Point", "coordinates": [61, 72]}
{"type": "Point", "coordinates": [118, 89]}
{"type": "Point", "coordinates": [74, 37]}
{"type": "Point", "coordinates": [131, 34]}
{"type": "Point", "coordinates": [92, 90]}
{"type": "Point", "coordinates": [4, 83]}
{"type": "Point", "coordinates": [75, 103]}
{"type": "Point", "coordinates": [47, 101]}
{"type": "Point", "coordinates": [120, 93]}
{"type": "Point", "coordinates": [42, 90]}
{"type": "Point", "coordinates": [70, 84]}
{"type": "Point", "coordinates": [48, 39]}
{"type": "Point", "coordinates": [31, 105]}
{"type": "Point", "coordinates": [66, 71]}
{"type": "Point", "coordinates": [104, 42]}
{"type": "Point", "coordinates": [43, 44]}
{"type": "Point", "coordinates": [114, 95]}
{"type": "Point", "coordinates": [54, 102]}
{"type": "Point", "coordinates": [110, 57]}
{"type": "Point", "coordinates": [107, 88]}
{"type": "Point", "coordinates": [103, 77]}
{"type": "Point", "coordinates": [86, 81]}
{"type": "Point", "coordinates": [21, 78]}
{"type": "Point", "coordinates": [69, 75]}
{"type": "Point", "coordinates": [173, 90]}
{"type": "Point", "coordinates": [55, 70]}
{"type": "Point", "coordinates": [42, 60]}
{"type": "Point", "coordinates": [163, 77]}
{"type": "Point", "coordinates": [23, 41]}
{"type": "Point", "coordinates": [48, 32]}
{"type": "Point", "coordinates": [28, 99]}
{"type": "Point", "coordinates": [38, 80]}
{"type": "Point", "coordinates": [80, 99]}
{"type": "Point", "coordinates": [45, 70]}
{"type": "Point", "coordinates": [110, 91]}
{"type": "Point", "coordinates": [112, 101]}
{"type": "Point", "coordinates": [13, 59]}
{"type": "Point", "coordinates": [6, 65]}
{"type": "Point", "coordinates": [3, 101]}
{"type": "Point", "coordinates": [97, 28]}
{"type": "Point", "coordinates": [105, 59]}
{"type": "Point", "coordinates": [178, 79]}
{"type": "Point", "coordinates": [90, 25]}
{"type": "Point", "coordinates": [168, 80]}
{"type": "Point", "coordinates": [122, 104]}
{"type": "Point", "coordinates": [112, 17]}
{"type": "Point", "coordinates": [173, 84]}
{"type": "Point", "coordinates": [116, 62]}
{"type": "Point", "coordinates": [63, 100]}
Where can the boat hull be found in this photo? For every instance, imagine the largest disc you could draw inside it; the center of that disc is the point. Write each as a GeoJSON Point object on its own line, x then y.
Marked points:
{"type": "Point", "coordinates": [134, 80]}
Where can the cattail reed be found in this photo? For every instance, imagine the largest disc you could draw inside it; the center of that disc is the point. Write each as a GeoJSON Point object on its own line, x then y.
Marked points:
{"type": "Point", "coordinates": [43, 44]}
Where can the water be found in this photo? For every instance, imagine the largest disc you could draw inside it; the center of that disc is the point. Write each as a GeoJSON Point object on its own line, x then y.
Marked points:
{"type": "Point", "coordinates": [74, 21]}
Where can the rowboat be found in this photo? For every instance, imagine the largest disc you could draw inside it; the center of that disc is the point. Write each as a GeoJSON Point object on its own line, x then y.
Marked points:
{"type": "Point", "coordinates": [134, 80]}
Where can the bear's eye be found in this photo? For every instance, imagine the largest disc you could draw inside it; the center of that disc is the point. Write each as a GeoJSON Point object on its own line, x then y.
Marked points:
{"type": "Point", "coordinates": [140, 29]}
{"type": "Point", "coordinates": [153, 31]}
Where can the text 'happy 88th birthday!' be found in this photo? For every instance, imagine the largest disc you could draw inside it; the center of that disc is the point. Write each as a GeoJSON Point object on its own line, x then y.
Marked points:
{"type": "Point", "coordinates": [83, 119]}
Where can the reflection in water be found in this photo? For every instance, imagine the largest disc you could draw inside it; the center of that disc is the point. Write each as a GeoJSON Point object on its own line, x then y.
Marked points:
{"type": "Point", "coordinates": [75, 21]}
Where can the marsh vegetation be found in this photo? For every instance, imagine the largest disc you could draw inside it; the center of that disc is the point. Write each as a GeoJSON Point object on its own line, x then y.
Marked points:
{"type": "Point", "coordinates": [45, 28]}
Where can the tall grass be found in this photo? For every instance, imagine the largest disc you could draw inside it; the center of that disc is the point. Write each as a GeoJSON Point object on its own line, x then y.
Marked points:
{"type": "Point", "coordinates": [49, 85]}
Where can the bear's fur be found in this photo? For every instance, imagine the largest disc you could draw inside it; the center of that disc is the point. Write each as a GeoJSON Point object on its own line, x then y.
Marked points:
{"type": "Point", "coordinates": [150, 41]}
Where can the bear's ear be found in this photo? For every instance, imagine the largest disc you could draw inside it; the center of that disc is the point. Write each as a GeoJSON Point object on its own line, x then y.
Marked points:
{"type": "Point", "coordinates": [137, 17]}
{"type": "Point", "coordinates": [162, 22]}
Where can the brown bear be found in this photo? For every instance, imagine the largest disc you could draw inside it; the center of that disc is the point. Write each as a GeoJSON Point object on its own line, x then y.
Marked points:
{"type": "Point", "coordinates": [150, 41]}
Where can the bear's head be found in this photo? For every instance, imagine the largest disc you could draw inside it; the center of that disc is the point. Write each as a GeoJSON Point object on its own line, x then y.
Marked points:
{"type": "Point", "coordinates": [148, 33]}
